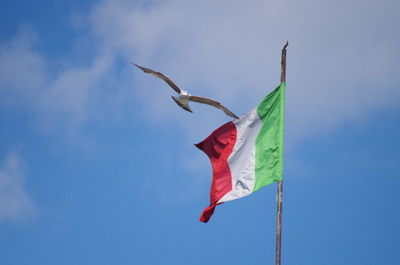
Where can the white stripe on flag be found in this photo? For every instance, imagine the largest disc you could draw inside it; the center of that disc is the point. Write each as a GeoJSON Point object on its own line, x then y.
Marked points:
{"type": "Point", "coordinates": [242, 159]}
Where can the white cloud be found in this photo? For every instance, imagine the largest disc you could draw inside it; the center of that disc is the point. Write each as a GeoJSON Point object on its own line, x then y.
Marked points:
{"type": "Point", "coordinates": [15, 202]}
{"type": "Point", "coordinates": [342, 55]}
{"type": "Point", "coordinates": [22, 71]}
{"type": "Point", "coordinates": [64, 96]}
{"type": "Point", "coordinates": [342, 62]}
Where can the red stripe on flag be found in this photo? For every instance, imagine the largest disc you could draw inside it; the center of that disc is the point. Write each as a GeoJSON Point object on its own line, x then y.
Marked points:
{"type": "Point", "coordinates": [218, 146]}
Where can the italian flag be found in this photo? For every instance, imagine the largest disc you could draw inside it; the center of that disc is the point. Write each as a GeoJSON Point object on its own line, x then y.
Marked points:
{"type": "Point", "coordinates": [246, 154]}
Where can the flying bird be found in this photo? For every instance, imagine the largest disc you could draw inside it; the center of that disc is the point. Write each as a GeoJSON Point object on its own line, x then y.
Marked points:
{"type": "Point", "coordinates": [184, 97]}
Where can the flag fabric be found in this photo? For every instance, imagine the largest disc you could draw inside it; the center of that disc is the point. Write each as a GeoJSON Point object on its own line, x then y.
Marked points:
{"type": "Point", "coordinates": [246, 154]}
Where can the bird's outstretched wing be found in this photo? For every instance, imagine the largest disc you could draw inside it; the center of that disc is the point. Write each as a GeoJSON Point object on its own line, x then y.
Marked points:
{"type": "Point", "coordinates": [214, 104]}
{"type": "Point", "coordinates": [160, 75]}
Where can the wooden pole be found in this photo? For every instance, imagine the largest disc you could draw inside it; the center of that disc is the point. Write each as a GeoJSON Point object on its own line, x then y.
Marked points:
{"type": "Point", "coordinates": [283, 63]}
{"type": "Point", "coordinates": [280, 188]}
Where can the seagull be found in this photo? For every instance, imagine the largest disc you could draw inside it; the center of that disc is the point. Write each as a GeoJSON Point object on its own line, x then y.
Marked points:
{"type": "Point", "coordinates": [184, 97]}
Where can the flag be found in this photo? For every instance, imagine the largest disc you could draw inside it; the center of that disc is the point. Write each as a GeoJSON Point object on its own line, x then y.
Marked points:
{"type": "Point", "coordinates": [246, 154]}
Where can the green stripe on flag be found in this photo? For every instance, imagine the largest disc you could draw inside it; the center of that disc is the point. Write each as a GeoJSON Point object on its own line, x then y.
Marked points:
{"type": "Point", "coordinates": [269, 142]}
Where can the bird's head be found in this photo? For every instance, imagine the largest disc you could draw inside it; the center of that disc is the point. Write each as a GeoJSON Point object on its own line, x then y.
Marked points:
{"type": "Point", "coordinates": [184, 93]}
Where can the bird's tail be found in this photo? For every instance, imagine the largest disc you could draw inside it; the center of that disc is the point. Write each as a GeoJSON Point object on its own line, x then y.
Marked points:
{"type": "Point", "coordinates": [183, 106]}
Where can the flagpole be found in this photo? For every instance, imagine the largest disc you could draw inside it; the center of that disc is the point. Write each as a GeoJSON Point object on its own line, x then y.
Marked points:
{"type": "Point", "coordinates": [280, 188]}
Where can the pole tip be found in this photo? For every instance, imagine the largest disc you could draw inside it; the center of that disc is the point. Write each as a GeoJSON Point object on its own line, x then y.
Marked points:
{"type": "Point", "coordinates": [286, 44]}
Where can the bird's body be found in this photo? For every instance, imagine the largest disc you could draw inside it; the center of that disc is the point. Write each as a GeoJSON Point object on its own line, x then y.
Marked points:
{"type": "Point", "coordinates": [184, 97]}
{"type": "Point", "coordinates": [183, 101]}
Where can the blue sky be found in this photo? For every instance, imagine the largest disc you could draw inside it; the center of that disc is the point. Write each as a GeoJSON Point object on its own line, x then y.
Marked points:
{"type": "Point", "coordinates": [97, 163]}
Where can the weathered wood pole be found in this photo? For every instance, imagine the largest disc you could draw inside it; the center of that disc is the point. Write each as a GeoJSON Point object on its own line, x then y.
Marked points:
{"type": "Point", "coordinates": [279, 192]}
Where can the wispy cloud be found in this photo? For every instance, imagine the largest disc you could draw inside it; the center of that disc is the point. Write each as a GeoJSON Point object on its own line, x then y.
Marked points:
{"type": "Point", "coordinates": [15, 203]}
{"type": "Point", "coordinates": [61, 97]}
{"type": "Point", "coordinates": [22, 70]}
{"type": "Point", "coordinates": [341, 63]}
